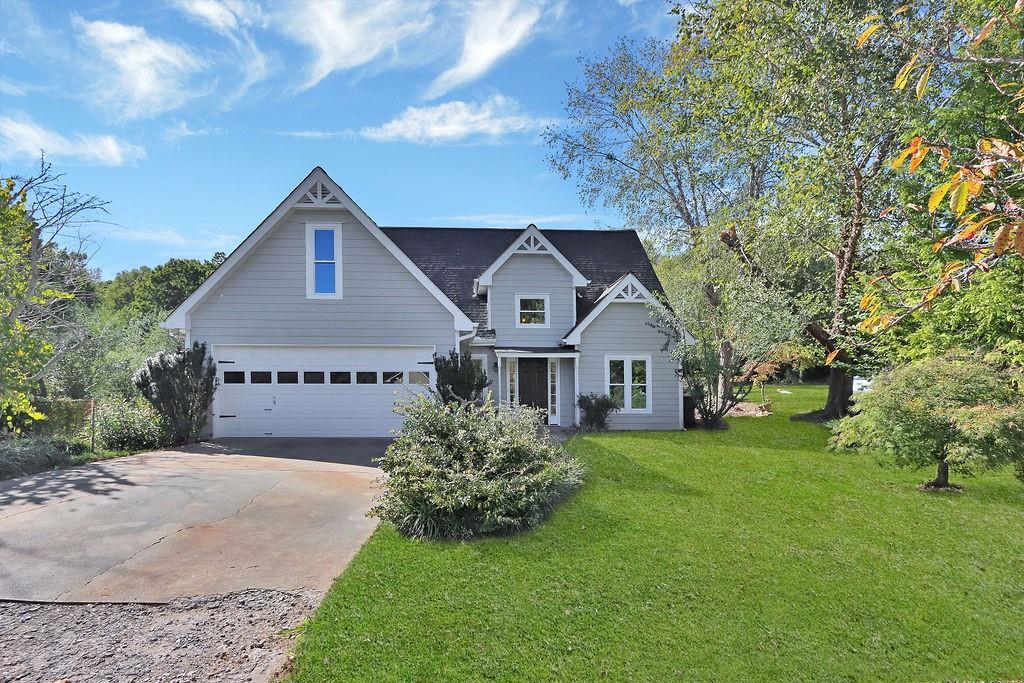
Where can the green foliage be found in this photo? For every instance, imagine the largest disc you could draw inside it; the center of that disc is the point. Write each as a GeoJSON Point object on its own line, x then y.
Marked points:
{"type": "Point", "coordinates": [458, 471]}
{"type": "Point", "coordinates": [24, 348]}
{"type": "Point", "coordinates": [180, 386]}
{"type": "Point", "coordinates": [159, 290]}
{"type": "Point", "coordinates": [957, 412]}
{"type": "Point", "coordinates": [126, 425]}
{"type": "Point", "coordinates": [459, 378]}
{"type": "Point", "coordinates": [21, 455]}
{"type": "Point", "coordinates": [596, 409]}
{"type": "Point", "coordinates": [988, 315]}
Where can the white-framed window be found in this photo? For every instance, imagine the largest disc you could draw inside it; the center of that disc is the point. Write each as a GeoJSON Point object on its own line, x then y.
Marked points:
{"type": "Point", "coordinates": [553, 390]}
{"type": "Point", "coordinates": [532, 310]}
{"type": "Point", "coordinates": [323, 260]}
{"type": "Point", "coordinates": [628, 382]}
{"type": "Point", "coordinates": [513, 376]}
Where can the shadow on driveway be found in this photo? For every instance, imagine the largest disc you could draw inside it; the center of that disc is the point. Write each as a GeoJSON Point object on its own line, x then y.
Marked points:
{"type": "Point", "coordinates": [349, 451]}
{"type": "Point", "coordinates": [48, 487]}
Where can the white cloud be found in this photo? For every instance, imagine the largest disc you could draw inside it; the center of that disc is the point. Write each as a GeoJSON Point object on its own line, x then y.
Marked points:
{"type": "Point", "coordinates": [316, 134]}
{"type": "Point", "coordinates": [168, 237]}
{"type": "Point", "coordinates": [140, 75]}
{"type": "Point", "coordinates": [454, 121]}
{"type": "Point", "coordinates": [494, 28]}
{"type": "Point", "coordinates": [11, 88]}
{"type": "Point", "coordinates": [23, 138]}
{"type": "Point", "coordinates": [233, 19]}
{"type": "Point", "coordinates": [180, 130]}
{"type": "Point", "coordinates": [344, 35]}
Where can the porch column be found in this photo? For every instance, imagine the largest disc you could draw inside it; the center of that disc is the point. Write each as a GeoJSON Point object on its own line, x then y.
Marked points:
{"type": "Point", "coordinates": [576, 388]}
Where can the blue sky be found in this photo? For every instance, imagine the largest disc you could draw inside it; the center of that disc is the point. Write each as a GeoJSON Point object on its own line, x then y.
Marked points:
{"type": "Point", "coordinates": [194, 118]}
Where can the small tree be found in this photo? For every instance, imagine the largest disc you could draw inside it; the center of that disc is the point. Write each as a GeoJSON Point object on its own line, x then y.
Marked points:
{"type": "Point", "coordinates": [597, 408]}
{"type": "Point", "coordinates": [180, 386]}
{"type": "Point", "coordinates": [459, 379]}
{"type": "Point", "coordinates": [952, 411]}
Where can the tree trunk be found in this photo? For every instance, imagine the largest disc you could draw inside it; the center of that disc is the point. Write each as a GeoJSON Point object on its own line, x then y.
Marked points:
{"type": "Point", "coordinates": [724, 378]}
{"type": "Point", "coordinates": [840, 388]}
{"type": "Point", "coordinates": [942, 476]}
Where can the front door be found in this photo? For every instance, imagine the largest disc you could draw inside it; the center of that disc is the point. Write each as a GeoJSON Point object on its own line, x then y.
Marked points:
{"type": "Point", "coordinates": [533, 382]}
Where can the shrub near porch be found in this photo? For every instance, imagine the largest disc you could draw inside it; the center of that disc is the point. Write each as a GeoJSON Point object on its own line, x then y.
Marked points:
{"type": "Point", "coordinates": [750, 553]}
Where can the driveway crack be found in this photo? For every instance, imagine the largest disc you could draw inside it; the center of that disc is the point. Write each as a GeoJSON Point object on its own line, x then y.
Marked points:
{"type": "Point", "coordinates": [166, 536]}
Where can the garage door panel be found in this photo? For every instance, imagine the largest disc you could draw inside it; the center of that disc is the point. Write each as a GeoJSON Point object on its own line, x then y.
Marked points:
{"type": "Point", "coordinates": [315, 409]}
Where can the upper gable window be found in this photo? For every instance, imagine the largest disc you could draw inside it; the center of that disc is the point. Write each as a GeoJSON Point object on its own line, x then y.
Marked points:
{"type": "Point", "coordinates": [323, 261]}
{"type": "Point", "coordinates": [532, 310]}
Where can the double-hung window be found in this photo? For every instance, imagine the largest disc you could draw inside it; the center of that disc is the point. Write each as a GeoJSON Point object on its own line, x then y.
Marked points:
{"type": "Point", "coordinates": [323, 261]}
{"type": "Point", "coordinates": [532, 310]}
{"type": "Point", "coordinates": [628, 380]}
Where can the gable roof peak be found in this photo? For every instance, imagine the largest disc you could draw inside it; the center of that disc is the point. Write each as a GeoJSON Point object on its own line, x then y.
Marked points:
{"type": "Point", "coordinates": [531, 241]}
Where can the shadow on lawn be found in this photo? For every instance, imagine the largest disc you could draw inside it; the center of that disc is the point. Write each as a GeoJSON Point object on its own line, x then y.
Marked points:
{"type": "Point", "coordinates": [627, 473]}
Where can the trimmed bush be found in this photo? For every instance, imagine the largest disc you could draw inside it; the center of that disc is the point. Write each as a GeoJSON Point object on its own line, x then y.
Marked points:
{"type": "Point", "coordinates": [596, 409]}
{"type": "Point", "coordinates": [127, 426]}
{"type": "Point", "coordinates": [457, 471]}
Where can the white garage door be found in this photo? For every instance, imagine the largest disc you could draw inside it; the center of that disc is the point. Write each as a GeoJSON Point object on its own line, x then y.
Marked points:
{"type": "Point", "coordinates": [315, 390]}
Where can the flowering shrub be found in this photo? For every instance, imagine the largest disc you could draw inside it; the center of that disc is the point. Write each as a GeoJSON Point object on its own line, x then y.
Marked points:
{"type": "Point", "coordinates": [458, 471]}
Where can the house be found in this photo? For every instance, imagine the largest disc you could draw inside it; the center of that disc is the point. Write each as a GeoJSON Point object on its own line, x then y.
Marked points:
{"type": "Point", "coordinates": [320, 320]}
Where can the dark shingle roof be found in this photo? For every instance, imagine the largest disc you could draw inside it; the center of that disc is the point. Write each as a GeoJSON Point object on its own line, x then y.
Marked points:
{"type": "Point", "coordinates": [453, 257]}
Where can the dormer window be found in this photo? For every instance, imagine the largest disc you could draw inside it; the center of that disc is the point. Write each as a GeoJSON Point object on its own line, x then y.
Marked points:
{"type": "Point", "coordinates": [323, 261]}
{"type": "Point", "coordinates": [532, 310]}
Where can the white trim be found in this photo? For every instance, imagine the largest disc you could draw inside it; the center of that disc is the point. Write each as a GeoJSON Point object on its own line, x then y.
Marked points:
{"type": "Point", "coordinates": [547, 311]}
{"type": "Point", "coordinates": [576, 389]}
{"type": "Point", "coordinates": [535, 236]}
{"type": "Point", "coordinates": [627, 377]}
{"type": "Point", "coordinates": [606, 298]}
{"type": "Point", "coordinates": [553, 363]}
{"type": "Point", "coordinates": [533, 354]}
{"type": "Point", "coordinates": [179, 318]}
{"type": "Point", "coordinates": [311, 292]}
{"type": "Point", "coordinates": [480, 341]}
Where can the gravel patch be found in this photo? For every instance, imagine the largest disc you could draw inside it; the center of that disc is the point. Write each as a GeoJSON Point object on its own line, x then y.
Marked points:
{"type": "Point", "coordinates": [235, 637]}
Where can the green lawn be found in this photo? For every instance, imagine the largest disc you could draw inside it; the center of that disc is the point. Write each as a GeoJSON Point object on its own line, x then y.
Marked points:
{"type": "Point", "coordinates": [746, 554]}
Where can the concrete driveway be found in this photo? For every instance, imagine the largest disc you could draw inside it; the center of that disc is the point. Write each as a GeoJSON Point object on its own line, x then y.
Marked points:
{"type": "Point", "coordinates": [212, 518]}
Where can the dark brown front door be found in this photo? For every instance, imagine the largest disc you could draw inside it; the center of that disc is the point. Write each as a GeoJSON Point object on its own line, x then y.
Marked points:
{"type": "Point", "coordinates": [533, 382]}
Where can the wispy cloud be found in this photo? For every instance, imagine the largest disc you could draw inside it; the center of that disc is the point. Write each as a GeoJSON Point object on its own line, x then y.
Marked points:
{"type": "Point", "coordinates": [13, 88]}
{"type": "Point", "coordinates": [180, 130]}
{"type": "Point", "coordinates": [234, 20]}
{"type": "Point", "coordinates": [22, 138]}
{"type": "Point", "coordinates": [490, 120]}
{"type": "Point", "coordinates": [343, 35]}
{"type": "Point", "coordinates": [516, 220]}
{"type": "Point", "coordinates": [317, 134]}
{"type": "Point", "coordinates": [168, 237]}
{"type": "Point", "coordinates": [494, 28]}
{"type": "Point", "coordinates": [140, 75]}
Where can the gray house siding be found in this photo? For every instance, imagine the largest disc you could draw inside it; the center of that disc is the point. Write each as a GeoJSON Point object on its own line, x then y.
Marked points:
{"type": "Point", "coordinates": [622, 329]}
{"type": "Point", "coordinates": [567, 389]}
{"type": "Point", "coordinates": [531, 274]}
{"type": "Point", "coordinates": [263, 301]}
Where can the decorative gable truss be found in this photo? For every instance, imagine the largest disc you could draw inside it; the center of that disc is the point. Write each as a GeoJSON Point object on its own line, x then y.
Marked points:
{"type": "Point", "coordinates": [318, 195]}
{"type": "Point", "coordinates": [531, 241]}
{"type": "Point", "coordinates": [626, 290]}
{"type": "Point", "coordinates": [631, 292]}
{"type": "Point", "coordinates": [531, 245]}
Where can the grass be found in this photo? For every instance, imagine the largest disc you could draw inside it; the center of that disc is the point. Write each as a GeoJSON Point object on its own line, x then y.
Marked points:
{"type": "Point", "coordinates": [746, 554]}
